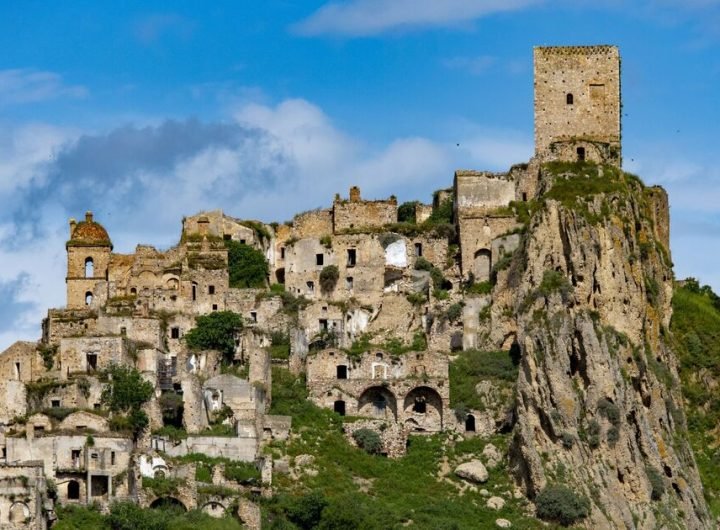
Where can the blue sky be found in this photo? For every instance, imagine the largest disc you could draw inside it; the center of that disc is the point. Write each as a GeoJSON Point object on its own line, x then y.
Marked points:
{"type": "Point", "coordinates": [145, 113]}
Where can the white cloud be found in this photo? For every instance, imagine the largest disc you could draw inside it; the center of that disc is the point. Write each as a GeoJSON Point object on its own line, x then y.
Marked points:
{"type": "Point", "coordinates": [26, 85]}
{"type": "Point", "coordinates": [370, 17]}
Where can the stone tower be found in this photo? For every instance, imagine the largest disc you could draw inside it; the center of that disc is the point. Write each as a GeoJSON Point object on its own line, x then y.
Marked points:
{"type": "Point", "coordinates": [88, 258]}
{"type": "Point", "coordinates": [577, 103]}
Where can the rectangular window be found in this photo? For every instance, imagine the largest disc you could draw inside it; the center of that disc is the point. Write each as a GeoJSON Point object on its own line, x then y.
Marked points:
{"type": "Point", "coordinates": [112, 458]}
{"type": "Point", "coordinates": [418, 249]}
{"type": "Point", "coordinates": [17, 370]}
{"type": "Point", "coordinates": [341, 371]}
{"type": "Point", "coordinates": [211, 289]}
{"type": "Point", "coordinates": [242, 241]}
{"type": "Point", "coordinates": [319, 259]}
{"type": "Point", "coordinates": [349, 283]}
{"type": "Point", "coordinates": [55, 403]}
{"type": "Point", "coordinates": [323, 324]}
{"type": "Point", "coordinates": [597, 91]}
{"type": "Point", "coordinates": [253, 316]}
{"type": "Point", "coordinates": [214, 307]}
{"type": "Point", "coordinates": [282, 252]}
{"type": "Point", "coordinates": [123, 331]}
{"type": "Point", "coordinates": [91, 359]}
{"type": "Point", "coordinates": [174, 333]}
{"type": "Point", "coordinates": [351, 257]}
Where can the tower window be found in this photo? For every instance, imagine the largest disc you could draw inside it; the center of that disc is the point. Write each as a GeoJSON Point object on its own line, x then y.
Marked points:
{"type": "Point", "coordinates": [88, 298]}
{"type": "Point", "coordinates": [569, 99]}
{"type": "Point", "coordinates": [89, 268]}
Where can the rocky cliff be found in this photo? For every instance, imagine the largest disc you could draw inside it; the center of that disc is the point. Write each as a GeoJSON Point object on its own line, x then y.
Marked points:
{"type": "Point", "coordinates": [599, 407]}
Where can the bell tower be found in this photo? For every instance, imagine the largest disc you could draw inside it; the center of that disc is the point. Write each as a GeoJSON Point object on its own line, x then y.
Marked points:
{"type": "Point", "coordinates": [88, 259]}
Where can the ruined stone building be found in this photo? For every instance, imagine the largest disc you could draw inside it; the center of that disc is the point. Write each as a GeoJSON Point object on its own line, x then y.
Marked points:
{"type": "Point", "coordinates": [409, 289]}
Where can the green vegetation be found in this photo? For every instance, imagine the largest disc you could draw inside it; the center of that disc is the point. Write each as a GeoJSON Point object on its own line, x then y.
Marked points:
{"type": "Point", "coordinates": [560, 504]}
{"type": "Point", "coordinates": [215, 331]}
{"type": "Point", "coordinates": [438, 279]}
{"type": "Point", "coordinates": [695, 330]}
{"type": "Point", "coordinates": [240, 472]}
{"type": "Point", "coordinates": [48, 352]}
{"type": "Point", "coordinates": [357, 490]}
{"type": "Point", "coordinates": [280, 345]}
{"type": "Point", "coordinates": [247, 267]}
{"type": "Point", "coordinates": [162, 486]}
{"type": "Point", "coordinates": [392, 345]}
{"type": "Point", "coordinates": [127, 392]}
{"type": "Point", "coordinates": [407, 213]}
{"type": "Point", "coordinates": [657, 484]}
{"type": "Point", "coordinates": [328, 278]}
{"type": "Point", "coordinates": [129, 516]}
{"type": "Point", "coordinates": [368, 440]}
{"type": "Point", "coordinates": [472, 366]}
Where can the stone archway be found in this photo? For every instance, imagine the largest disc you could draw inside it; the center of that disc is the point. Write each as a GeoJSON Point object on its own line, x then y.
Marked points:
{"type": "Point", "coordinates": [378, 402]}
{"type": "Point", "coordinates": [168, 503]}
{"type": "Point", "coordinates": [424, 406]}
{"type": "Point", "coordinates": [214, 509]}
{"type": "Point", "coordinates": [19, 512]}
{"type": "Point", "coordinates": [482, 264]}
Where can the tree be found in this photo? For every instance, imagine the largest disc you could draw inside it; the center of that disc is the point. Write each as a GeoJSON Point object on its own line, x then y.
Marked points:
{"type": "Point", "coordinates": [125, 395]}
{"type": "Point", "coordinates": [215, 331]}
{"type": "Point", "coordinates": [407, 212]}
{"type": "Point", "coordinates": [247, 266]}
{"type": "Point", "coordinates": [561, 504]}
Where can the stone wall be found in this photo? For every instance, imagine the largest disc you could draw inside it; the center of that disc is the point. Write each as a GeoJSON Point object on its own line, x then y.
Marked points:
{"type": "Point", "coordinates": [356, 213]}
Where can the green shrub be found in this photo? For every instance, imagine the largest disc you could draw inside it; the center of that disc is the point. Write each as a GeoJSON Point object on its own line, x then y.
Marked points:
{"type": "Point", "coordinates": [215, 331]}
{"type": "Point", "coordinates": [368, 440]}
{"type": "Point", "coordinates": [609, 410]}
{"type": "Point", "coordinates": [657, 484]}
{"type": "Point", "coordinates": [479, 288]}
{"type": "Point", "coordinates": [407, 212]}
{"type": "Point", "coordinates": [326, 241]}
{"type": "Point", "coordinates": [454, 312]}
{"type": "Point", "coordinates": [554, 281]}
{"type": "Point", "coordinates": [613, 436]}
{"type": "Point", "coordinates": [560, 504]}
{"type": "Point", "coordinates": [306, 511]}
{"type": "Point", "coordinates": [127, 392]}
{"type": "Point", "coordinates": [568, 440]}
{"type": "Point", "coordinates": [328, 278]}
{"type": "Point", "coordinates": [162, 486]}
{"type": "Point", "coordinates": [593, 434]}
{"type": "Point", "coordinates": [247, 267]}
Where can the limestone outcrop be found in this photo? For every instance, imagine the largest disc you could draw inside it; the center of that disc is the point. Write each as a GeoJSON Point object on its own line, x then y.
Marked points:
{"type": "Point", "coordinates": [598, 404]}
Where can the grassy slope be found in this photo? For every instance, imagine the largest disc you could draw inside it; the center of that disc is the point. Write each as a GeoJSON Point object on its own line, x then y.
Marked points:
{"type": "Point", "coordinates": [396, 491]}
{"type": "Point", "coordinates": [696, 330]}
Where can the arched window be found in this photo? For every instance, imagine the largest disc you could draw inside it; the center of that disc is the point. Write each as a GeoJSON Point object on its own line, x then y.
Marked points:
{"type": "Point", "coordinates": [569, 99]}
{"type": "Point", "coordinates": [89, 268]}
{"type": "Point", "coordinates": [88, 298]}
{"type": "Point", "coordinates": [133, 291]}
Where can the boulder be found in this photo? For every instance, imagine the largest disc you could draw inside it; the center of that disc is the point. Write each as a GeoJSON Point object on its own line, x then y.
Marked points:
{"type": "Point", "coordinates": [474, 471]}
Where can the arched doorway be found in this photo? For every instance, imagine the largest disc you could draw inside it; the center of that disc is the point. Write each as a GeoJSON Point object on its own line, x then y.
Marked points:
{"type": "Point", "coordinates": [470, 423]}
{"type": "Point", "coordinates": [73, 490]}
{"type": "Point", "coordinates": [424, 405]}
{"type": "Point", "coordinates": [168, 503]}
{"type": "Point", "coordinates": [378, 402]}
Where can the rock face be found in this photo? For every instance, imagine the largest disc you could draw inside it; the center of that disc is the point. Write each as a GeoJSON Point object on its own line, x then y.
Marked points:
{"type": "Point", "coordinates": [474, 471]}
{"type": "Point", "coordinates": [598, 404]}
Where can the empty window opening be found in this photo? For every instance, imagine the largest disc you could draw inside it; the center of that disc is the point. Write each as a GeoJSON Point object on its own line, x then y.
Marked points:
{"type": "Point", "coordinates": [91, 361]}
{"type": "Point", "coordinates": [339, 407]}
{"type": "Point", "coordinates": [524, 197]}
{"type": "Point", "coordinates": [194, 292]}
{"type": "Point", "coordinates": [227, 237]}
{"type": "Point", "coordinates": [470, 423]}
{"type": "Point", "coordinates": [581, 154]}
{"type": "Point", "coordinates": [133, 291]}
{"type": "Point", "coordinates": [342, 371]}
{"type": "Point", "coordinates": [253, 316]}
{"type": "Point", "coordinates": [349, 283]}
{"type": "Point", "coordinates": [319, 259]}
{"type": "Point", "coordinates": [242, 241]}
{"type": "Point", "coordinates": [379, 355]}
{"type": "Point", "coordinates": [73, 490]}
{"type": "Point", "coordinates": [39, 428]}
{"type": "Point", "coordinates": [123, 330]}
{"type": "Point", "coordinates": [3, 452]}
{"type": "Point", "coordinates": [311, 287]}
{"type": "Point", "coordinates": [211, 289]}
{"type": "Point", "coordinates": [418, 250]}
{"type": "Point", "coordinates": [82, 428]}
{"type": "Point", "coordinates": [99, 485]}
{"type": "Point", "coordinates": [351, 257]}
{"type": "Point", "coordinates": [55, 403]}
{"type": "Point", "coordinates": [89, 268]}
{"type": "Point", "coordinates": [569, 99]}
{"type": "Point", "coordinates": [282, 252]}
{"type": "Point", "coordinates": [323, 322]}
{"type": "Point", "coordinates": [88, 298]}
{"type": "Point", "coordinates": [112, 458]}
{"type": "Point", "coordinates": [214, 307]}
{"type": "Point", "coordinates": [175, 333]}
{"type": "Point", "coordinates": [420, 406]}
{"type": "Point", "coordinates": [17, 370]}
